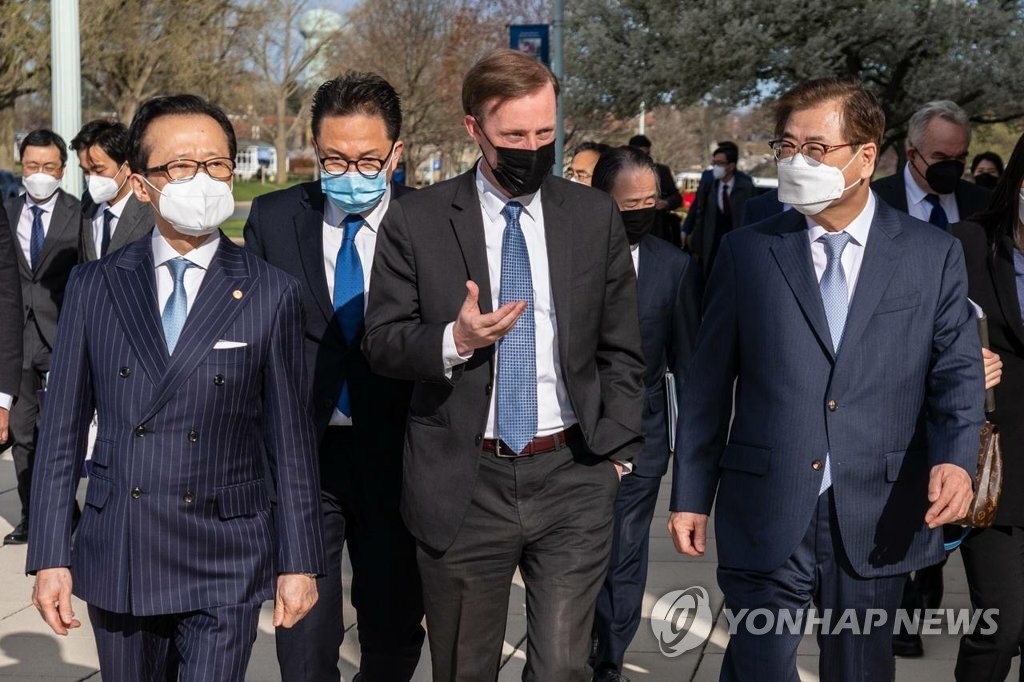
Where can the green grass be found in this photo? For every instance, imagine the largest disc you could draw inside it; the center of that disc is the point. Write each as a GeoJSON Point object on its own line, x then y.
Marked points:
{"type": "Point", "coordinates": [233, 228]}
{"type": "Point", "coordinates": [247, 191]}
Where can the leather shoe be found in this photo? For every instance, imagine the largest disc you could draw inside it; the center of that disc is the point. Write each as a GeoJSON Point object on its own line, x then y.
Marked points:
{"type": "Point", "coordinates": [18, 536]}
{"type": "Point", "coordinates": [609, 675]}
{"type": "Point", "coordinates": [908, 646]}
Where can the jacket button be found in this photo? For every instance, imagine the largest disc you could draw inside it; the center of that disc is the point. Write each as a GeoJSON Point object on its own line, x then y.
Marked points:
{"type": "Point", "coordinates": [125, 372]}
{"type": "Point", "coordinates": [479, 439]}
{"type": "Point", "coordinates": [490, 388]}
{"type": "Point", "coordinates": [193, 436]}
{"type": "Point", "coordinates": [218, 380]}
{"type": "Point", "coordinates": [140, 431]}
{"type": "Point", "coordinates": [832, 406]}
{"type": "Point", "coordinates": [187, 497]}
{"type": "Point", "coordinates": [136, 493]}
{"type": "Point", "coordinates": [817, 465]}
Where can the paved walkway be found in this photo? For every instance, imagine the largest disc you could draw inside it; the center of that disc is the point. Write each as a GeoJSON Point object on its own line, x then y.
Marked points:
{"type": "Point", "coordinates": [29, 652]}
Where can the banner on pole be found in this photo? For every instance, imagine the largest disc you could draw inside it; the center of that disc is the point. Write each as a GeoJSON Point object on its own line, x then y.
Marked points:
{"type": "Point", "coordinates": [531, 39]}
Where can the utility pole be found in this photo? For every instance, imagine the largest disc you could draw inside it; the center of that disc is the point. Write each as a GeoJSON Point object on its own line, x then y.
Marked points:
{"type": "Point", "coordinates": [558, 67]}
{"type": "Point", "coordinates": [641, 122]}
{"type": "Point", "coordinates": [66, 93]}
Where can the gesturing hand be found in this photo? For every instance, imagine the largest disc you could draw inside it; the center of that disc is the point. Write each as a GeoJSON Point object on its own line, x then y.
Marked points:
{"type": "Point", "coordinates": [474, 329]}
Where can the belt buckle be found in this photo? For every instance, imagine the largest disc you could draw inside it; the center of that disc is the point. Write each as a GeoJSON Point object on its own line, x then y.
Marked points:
{"type": "Point", "coordinates": [500, 447]}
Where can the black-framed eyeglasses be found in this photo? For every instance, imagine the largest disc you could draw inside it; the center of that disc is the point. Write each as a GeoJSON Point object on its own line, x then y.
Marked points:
{"type": "Point", "coordinates": [183, 170]}
{"type": "Point", "coordinates": [367, 166]}
{"type": "Point", "coordinates": [816, 151]}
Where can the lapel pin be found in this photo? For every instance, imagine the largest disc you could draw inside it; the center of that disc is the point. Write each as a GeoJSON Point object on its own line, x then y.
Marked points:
{"type": "Point", "coordinates": [237, 293]}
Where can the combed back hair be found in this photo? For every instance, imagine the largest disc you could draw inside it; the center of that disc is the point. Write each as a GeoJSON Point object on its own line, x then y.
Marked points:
{"type": "Point", "coordinates": [942, 108]}
{"type": "Point", "coordinates": [44, 137]}
{"type": "Point", "coordinates": [615, 162]}
{"type": "Point", "coordinates": [172, 105]}
{"type": "Point", "coordinates": [863, 118]}
{"type": "Point", "coordinates": [110, 136]}
{"type": "Point", "coordinates": [731, 151]}
{"type": "Point", "coordinates": [501, 75]}
{"type": "Point", "coordinates": [357, 92]}
{"type": "Point", "coordinates": [588, 146]}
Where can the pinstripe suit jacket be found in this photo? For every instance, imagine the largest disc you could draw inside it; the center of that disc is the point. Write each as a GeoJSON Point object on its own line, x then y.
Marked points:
{"type": "Point", "coordinates": [904, 393]}
{"type": "Point", "coordinates": [177, 515]}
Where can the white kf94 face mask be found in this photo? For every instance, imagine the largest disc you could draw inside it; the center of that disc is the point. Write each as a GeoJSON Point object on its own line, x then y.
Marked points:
{"type": "Point", "coordinates": [196, 207]}
{"type": "Point", "coordinates": [811, 186]}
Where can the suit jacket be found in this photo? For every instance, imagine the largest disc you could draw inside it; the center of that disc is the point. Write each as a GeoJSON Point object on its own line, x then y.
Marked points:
{"type": "Point", "coordinates": [761, 207]}
{"type": "Point", "coordinates": [903, 395]}
{"type": "Point", "coordinates": [285, 228]}
{"type": "Point", "coordinates": [10, 310]}
{"type": "Point", "coordinates": [668, 295]}
{"type": "Point", "coordinates": [991, 281]}
{"type": "Point", "coordinates": [970, 198]}
{"type": "Point", "coordinates": [42, 289]}
{"type": "Point", "coordinates": [177, 515]}
{"type": "Point", "coordinates": [703, 226]}
{"type": "Point", "coordinates": [431, 242]}
{"type": "Point", "coordinates": [136, 221]}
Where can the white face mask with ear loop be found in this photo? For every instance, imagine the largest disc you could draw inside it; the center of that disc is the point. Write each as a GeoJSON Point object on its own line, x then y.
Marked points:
{"type": "Point", "coordinates": [810, 189]}
{"type": "Point", "coordinates": [102, 188]}
{"type": "Point", "coordinates": [196, 207]}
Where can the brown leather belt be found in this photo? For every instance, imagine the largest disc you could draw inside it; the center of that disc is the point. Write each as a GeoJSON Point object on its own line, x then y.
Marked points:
{"type": "Point", "coordinates": [538, 446]}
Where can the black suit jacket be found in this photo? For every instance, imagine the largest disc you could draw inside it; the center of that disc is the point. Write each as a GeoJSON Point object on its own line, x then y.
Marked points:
{"type": "Point", "coordinates": [761, 207]}
{"type": "Point", "coordinates": [703, 224]}
{"type": "Point", "coordinates": [970, 198]}
{"type": "Point", "coordinates": [668, 295]}
{"type": "Point", "coordinates": [285, 229]}
{"type": "Point", "coordinates": [136, 221]}
{"type": "Point", "coordinates": [431, 242]}
{"type": "Point", "coordinates": [10, 310]}
{"type": "Point", "coordinates": [42, 289]}
{"type": "Point", "coordinates": [991, 283]}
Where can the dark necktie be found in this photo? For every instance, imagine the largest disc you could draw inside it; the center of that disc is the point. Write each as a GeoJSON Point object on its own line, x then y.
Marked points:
{"type": "Point", "coordinates": [938, 216]}
{"type": "Point", "coordinates": [35, 246]}
{"type": "Point", "coordinates": [726, 208]}
{"type": "Point", "coordinates": [348, 295]}
{"type": "Point", "coordinates": [108, 218]}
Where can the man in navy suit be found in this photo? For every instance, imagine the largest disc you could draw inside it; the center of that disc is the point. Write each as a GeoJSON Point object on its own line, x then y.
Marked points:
{"type": "Point", "coordinates": [668, 286]}
{"type": "Point", "coordinates": [845, 329]}
{"type": "Point", "coordinates": [190, 350]}
{"type": "Point", "coordinates": [360, 416]}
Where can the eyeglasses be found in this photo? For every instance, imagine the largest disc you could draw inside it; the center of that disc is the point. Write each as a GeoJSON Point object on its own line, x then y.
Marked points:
{"type": "Point", "coordinates": [183, 170]}
{"type": "Point", "coordinates": [583, 176]}
{"type": "Point", "coordinates": [49, 168]}
{"type": "Point", "coordinates": [367, 166]}
{"type": "Point", "coordinates": [816, 151]}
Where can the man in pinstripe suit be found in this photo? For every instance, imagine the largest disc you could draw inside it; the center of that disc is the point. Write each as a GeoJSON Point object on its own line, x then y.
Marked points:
{"type": "Point", "coordinates": [190, 350]}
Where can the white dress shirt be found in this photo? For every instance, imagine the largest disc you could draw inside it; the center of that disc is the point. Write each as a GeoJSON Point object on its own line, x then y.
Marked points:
{"type": "Point", "coordinates": [25, 222]}
{"type": "Point", "coordinates": [97, 221]}
{"type": "Point", "coordinates": [853, 254]}
{"type": "Point", "coordinates": [366, 245]}
{"type": "Point", "coordinates": [634, 252]}
{"type": "Point", "coordinates": [201, 257]}
{"type": "Point", "coordinates": [918, 207]}
{"type": "Point", "coordinates": [554, 411]}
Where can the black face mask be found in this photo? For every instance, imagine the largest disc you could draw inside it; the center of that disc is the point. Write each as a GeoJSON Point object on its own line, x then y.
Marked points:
{"type": "Point", "coordinates": [638, 223]}
{"type": "Point", "coordinates": [521, 171]}
{"type": "Point", "coordinates": [986, 180]}
{"type": "Point", "coordinates": [943, 176]}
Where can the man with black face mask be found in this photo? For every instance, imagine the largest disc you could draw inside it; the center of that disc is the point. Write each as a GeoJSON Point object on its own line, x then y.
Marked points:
{"type": "Point", "coordinates": [931, 186]}
{"type": "Point", "coordinates": [508, 296]}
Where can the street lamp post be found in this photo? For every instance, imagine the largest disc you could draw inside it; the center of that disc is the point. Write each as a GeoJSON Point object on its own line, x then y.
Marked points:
{"type": "Point", "coordinates": [558, 67]}
{"type": "Point", "coordinates": [66, 96]}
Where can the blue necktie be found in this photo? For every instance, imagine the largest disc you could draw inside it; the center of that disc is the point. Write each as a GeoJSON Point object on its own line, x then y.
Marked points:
{"type": "Point", "coordinates": [108, 218]}
{"type": "Point", "coordinates": [835, 295]}
{"type": "Point", "coordinates": [517, 357]}
{"type": "Point", "coordinates": [176, 309]}
{"type": "Point", "coordinates": [938, 216]}
{"type": "Point", "coordinates": [348, 295]}
{"type": "Point", "coordinates": [35, 245]}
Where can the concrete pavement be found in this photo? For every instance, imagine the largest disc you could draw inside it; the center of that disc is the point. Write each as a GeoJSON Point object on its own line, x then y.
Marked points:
{"type": "Point", "coordinates": [29, 652]}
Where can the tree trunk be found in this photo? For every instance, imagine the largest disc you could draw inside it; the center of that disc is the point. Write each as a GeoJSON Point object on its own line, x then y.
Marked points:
{"type": "Point", "coordinates": [281, 138]}
{"type": "Point", "coordinates": [7, 138]}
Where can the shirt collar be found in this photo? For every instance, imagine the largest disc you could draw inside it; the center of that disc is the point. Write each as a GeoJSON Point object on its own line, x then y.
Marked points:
{"type": "Point", "coordinates": [335, 216]}
{"type": "Point", "coordinates": [117, 209]}
{"type": "Point", "coordinates": [915, 195]}
{"type": "Point", "coordinates": [858, 229]}
{"type": "Point", "coordinates": [200, 256]}
{"type": "Point", "coordinates": [47, 205]}
{"type": "Point", "coordinates": [493, 199]}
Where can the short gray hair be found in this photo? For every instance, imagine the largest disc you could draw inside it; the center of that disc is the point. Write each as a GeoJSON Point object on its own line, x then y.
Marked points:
{"type": "Point", "coordinates": [942, 108]}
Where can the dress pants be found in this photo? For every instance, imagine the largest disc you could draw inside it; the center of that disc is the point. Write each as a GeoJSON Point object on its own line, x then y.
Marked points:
{"type": "Point", "coordinates": [24, 418]}
{"type": "Point", "coordinates": [620, 601]}
{"type": "Point", "coordinates": [360, 491]}
{"type": "Point", "coordinates": [209, 645]}
{"type": "Point", "coordinates": [551, 516]}
{"type": "Point", "coordinates": [994, 562]}
{"type": "Point", "coordinates": [818, 572]}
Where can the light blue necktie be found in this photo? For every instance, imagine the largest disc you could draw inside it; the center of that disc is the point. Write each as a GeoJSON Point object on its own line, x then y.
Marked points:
{"type": "Point", "coordinates": [835, 295]}
{"type": "Point", "coordinates": [176, 309]}
{"type": "Point", "coordinates": [517, 357]}
{"type": "Point", "coordinates": [37, 237]}
{"type": "Point", "coordinates": [348, 295]}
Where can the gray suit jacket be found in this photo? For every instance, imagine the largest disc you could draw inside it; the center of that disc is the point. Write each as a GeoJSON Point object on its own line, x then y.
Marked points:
{"type": "Point", "coordinates": [136, 221]}
{"type": "Point", "coordinates": [42, 289]}
{"type": "Point", "coordinates": [10, 310]}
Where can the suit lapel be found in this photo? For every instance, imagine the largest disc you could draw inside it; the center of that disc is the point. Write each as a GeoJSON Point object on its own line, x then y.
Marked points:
{"type": "Point", "coordinates": [61, 222]}
{"type": "Point", "coordinates": [132, 284]}
{"type": "Point", "coordinates": [645, 286]}
{"type": "Point", "coordinates": [792, 252]}
{"type": "Point", "coordinates": [558, 236]}
{"type": "Point", "coordinates": [216, 306]}
{"type": "Point", "coordinates": [468, 224]}
{"type": "Point", "coordinates": [136, 219]}
{"type": "Point", "coordinates": [309, 233]}
{"type": "Point", "coordinates": [1004, 277]}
